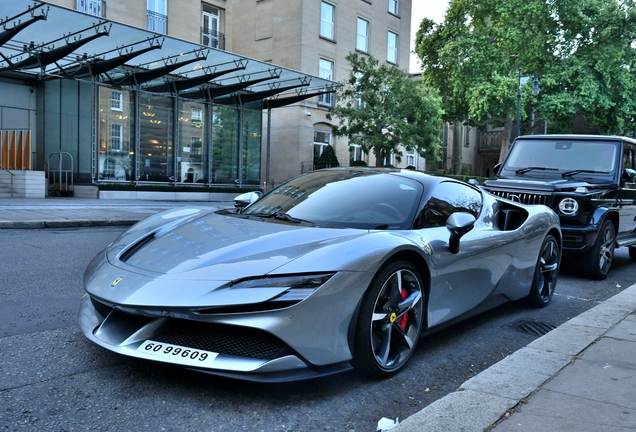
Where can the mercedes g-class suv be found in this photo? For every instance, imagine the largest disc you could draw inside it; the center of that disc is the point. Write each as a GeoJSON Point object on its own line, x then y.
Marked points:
{"type": "Point", "coordinates": [588, 180]}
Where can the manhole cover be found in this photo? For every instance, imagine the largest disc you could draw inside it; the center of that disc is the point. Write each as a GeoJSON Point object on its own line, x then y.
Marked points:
{"type": "Point", "coordinates": [532, 327]}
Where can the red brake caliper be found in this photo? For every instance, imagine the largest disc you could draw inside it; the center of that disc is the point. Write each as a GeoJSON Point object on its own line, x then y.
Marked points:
{"type": "Point", "coordinates": [404, 318]}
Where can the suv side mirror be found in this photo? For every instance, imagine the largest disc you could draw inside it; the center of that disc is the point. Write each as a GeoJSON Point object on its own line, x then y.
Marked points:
{"type": "Point", "coordinates": [496, 168]}
{"type": "Point", "coordinates": [629, 175]}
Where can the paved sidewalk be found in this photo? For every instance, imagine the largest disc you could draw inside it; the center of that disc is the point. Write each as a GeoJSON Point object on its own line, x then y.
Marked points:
{"type": "Point", "coordinates": [579, 377]}
{"type": "Point", "coordinates": [59, 212]}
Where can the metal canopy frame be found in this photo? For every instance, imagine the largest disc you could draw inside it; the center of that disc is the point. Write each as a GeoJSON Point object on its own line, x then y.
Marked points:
{"type": "Point", "coordinates": [44, 41]}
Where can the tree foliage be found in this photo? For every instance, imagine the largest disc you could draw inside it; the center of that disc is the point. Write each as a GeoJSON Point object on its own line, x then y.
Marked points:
{"type": "Point", "coordinates": [583, 51]}
{"type": "Point", "coordinates": [380, 107]}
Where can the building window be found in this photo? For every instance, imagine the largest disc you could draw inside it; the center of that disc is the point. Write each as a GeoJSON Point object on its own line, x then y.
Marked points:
{"type": "Point", "coordinates": [157, 16]}
{"type": "Point", "coordinates": [210, 29]}
{"type": "Point", "coordinates": [197, 117]}
{"type": "Point", "coordinates": [393, 6]}
{"type": "Point", "coordinates": [327, 20]}
{"type": "Point", "coordinates": [116, 101]}
{"type": "Point", "coordinates": [322, 139]}
{"type": "Point", "coordinates": [357, 101]}
{"type": "Point", "coordinates": [116, 136]}
{"type": "Point", "coordinates": [356, 153]}
{"type": "Point", "coordinates": [93, 7]}
{"type": "Point", "coordinates": [410, 158]}
{"type": "Point", "coordinates": [392, 48]}
{"type": "Point", "coordinates": [362, 41]}
{"type": "Point", "coordinates": [326, 72]}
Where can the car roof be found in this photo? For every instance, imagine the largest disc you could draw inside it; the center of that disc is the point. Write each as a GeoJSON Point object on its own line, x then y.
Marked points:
{"type": "Point", "coordinates": [580, 137]}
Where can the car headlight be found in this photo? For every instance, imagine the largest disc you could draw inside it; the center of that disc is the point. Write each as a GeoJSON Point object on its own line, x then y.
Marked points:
{"type": "Point", "coordinates": [299, 287]}
{"type": "Point", "coordinates": [568, 206]}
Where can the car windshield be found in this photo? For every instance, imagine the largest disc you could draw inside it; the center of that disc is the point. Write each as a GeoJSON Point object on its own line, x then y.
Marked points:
{"type": "Point", "coordinates": [566, 157]}
{"type": "Point", "coordinates": [362, 198]}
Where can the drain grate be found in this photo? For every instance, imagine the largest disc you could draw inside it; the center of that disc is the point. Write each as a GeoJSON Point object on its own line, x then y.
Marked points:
{"type": "Point", "coordinates": [531, 327]}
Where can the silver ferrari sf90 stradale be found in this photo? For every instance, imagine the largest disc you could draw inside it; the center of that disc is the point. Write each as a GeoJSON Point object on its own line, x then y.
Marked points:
{"type": "Point", "coordinates": [337, 268]}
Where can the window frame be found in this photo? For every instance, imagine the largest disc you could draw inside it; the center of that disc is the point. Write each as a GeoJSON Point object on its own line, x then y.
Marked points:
{"type": "Point", "coordinates": [327, 27]}
{"type": "Point", "coordinates": [326, 99]}
{"type": "Point", "coordinates": [390, 49]}
{"type": "Point", "coordinates": [394, 7]}
{"type": "Point", "coordinates": [116, 138]}
{"type": "Point", "coordinates": [360, 36]}
{"type": "Point", "coordinates": [114, 101]}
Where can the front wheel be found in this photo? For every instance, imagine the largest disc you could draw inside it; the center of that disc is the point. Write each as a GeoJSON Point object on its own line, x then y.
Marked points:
{"type": "Point", "coordinates": [599, 260]}
{"type": "Point", "coordinates": [545, 273]}
{"type": "Point", "coordinates": [390, 320]}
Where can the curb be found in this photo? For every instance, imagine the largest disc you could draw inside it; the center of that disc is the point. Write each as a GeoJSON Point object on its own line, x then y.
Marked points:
{"type": "Point", "coordinates": [483, 400]}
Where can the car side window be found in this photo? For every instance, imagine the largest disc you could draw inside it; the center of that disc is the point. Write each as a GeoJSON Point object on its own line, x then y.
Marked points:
{"type": "Point", "coordinates": [628, 158]}
{"type": "Point", "coordinates": [447, 198]}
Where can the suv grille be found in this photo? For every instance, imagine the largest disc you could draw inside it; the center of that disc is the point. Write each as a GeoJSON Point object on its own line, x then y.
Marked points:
{"type": "Point", "coordinates": [523, 198]}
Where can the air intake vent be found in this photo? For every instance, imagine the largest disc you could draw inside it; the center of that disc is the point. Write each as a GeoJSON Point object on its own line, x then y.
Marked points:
{"type": "Point", "coordinates": [128, 253]}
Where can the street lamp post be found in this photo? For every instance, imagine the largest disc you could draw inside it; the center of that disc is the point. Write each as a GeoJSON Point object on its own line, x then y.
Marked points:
{"type": "Point", "coordinates": [535, 91]}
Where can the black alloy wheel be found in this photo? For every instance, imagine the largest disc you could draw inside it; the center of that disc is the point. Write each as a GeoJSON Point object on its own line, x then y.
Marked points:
{"type": "Point", "coordinates": [599, 260]}
{"type": "Point", "coordinates": [390, 320]}
{"type": "Point", "coordinates": [546, 273]}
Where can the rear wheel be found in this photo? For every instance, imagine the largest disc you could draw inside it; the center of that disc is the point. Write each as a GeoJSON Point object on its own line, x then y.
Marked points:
{"type": "Point", "coordinates": [599, 260]}
{"type": "Point", "coordinates": [390, 320]}
{"type": "Point", "coordinates": [546, 273]}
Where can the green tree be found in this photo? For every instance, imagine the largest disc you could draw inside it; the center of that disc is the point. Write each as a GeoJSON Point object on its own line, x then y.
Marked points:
{"type": "Point", "coordinates": [327, 159]}
{"type": "Point", "coordinates": [381, 107]}
{"type": "Point", "coordinates": [583, 51]}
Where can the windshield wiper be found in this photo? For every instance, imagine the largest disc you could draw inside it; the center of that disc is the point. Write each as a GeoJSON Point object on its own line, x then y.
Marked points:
{"type": "Point", "coordinates": [525, 170]}
{"type": "Point", "coordinates": [280, 216]}
{"type": "Point", "coordinates": [573, 172]}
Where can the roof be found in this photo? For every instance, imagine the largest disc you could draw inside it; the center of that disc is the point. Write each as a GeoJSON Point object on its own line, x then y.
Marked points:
{"type": "Point", "coordinates": [580, 137]}
{"type": "Point", "coordinates": [41, 41]}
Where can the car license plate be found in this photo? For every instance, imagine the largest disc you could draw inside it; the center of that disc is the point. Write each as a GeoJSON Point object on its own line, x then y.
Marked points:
{"type": "Point", "coordinates": [178, 354]}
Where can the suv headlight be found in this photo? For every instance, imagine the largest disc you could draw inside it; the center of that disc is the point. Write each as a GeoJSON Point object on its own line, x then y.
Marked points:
{"type": "Point", "coordinates": [569, 206]}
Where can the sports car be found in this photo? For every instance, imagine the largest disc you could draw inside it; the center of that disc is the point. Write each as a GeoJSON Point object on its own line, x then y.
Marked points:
{"type": "Point", "coordinates": [337, 268]}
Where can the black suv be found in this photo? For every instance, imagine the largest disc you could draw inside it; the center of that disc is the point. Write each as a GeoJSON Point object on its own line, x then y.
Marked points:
{"type": "Point", "coordinates": [588, 180]}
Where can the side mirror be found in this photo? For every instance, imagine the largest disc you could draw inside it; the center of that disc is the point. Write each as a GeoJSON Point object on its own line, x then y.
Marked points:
{"type": "Point", "coordinates": [496, 168]}
{"type": "Point", "coordinates": [243, 200]}
{"type": "Point", "coordinates": [629, 175]}
{"type": "Point", "coordinates": [458, 224]}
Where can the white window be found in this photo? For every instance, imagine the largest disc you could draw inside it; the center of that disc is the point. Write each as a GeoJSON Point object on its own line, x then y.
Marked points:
{"type": "Point", "coordinates": [393, 6]}
{"type": "Point", "coordinates": [116, 136]}
{"type": "Point", "coordinates": [327, 20]}
{"type": "Point", "coordinates": [210, 28]}
{"type": "Point", "coordinates": [410, 158]}
{"type": "Point", "coordinates": [116, 101]}
{"type": "Point", "coordinates": [93, 7]}
{"type": "Point", "coordinates": [392, 48]}
{"type": "Point", "coordinates": [358, 102]}
{"type": "Point", "coordinates": [326, 72]}
{"type": "Point", "coordinates": [322, 139]}
{"type": "Point", "coordinates": [197, 117]}
{"type": "Point", "coordinates": [356, 153]}
{"type": "Point", "coordinates": [157, 16]}
{"type": "Point", "coordinates": [362, 40]}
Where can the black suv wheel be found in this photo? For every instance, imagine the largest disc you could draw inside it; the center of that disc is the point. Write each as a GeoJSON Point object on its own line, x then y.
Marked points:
{"type": "Point", "coordinates": [599, 259]}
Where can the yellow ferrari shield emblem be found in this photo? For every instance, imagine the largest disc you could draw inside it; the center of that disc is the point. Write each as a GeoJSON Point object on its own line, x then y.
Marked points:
{"type": "Point", "coordinates": [393, 317]}
{"type": "Point", "coordinates": [116, 281]}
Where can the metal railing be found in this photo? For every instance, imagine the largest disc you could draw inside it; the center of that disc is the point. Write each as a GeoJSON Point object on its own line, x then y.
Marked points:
{"type": "Point", "coordinates": [213, 39]}
{"type": "Point", "coordinates": [156, 22]}
{"type": "Point", "coordinates": [15, 149]}
{"type": "Point", "coordinates": [93, 7]}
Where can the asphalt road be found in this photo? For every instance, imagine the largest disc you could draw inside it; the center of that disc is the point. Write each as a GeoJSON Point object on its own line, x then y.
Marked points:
{"type": "Point", "coordinates": [53, 379]}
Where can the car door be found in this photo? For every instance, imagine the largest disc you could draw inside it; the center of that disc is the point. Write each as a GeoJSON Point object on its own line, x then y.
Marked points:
{"type": "Point", "coordinates": [461, 281]}
{"type": "Point", "coordinates": [627, 194]}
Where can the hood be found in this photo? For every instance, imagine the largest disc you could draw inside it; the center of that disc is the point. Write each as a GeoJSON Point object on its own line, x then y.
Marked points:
{"type": "Point", "coordinates": [567, 184]}
{"type": "Point", "coordinates": [229, 243]}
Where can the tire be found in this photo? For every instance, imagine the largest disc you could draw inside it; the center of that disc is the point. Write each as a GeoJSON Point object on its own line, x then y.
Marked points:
{"type": "Point", "coordinates": [632, 252]}
{"type": "Point", "coordinates": [545, 273]}
{"type": "Point", "coordinates": [390, 320]}
{"type": "Point", "coordinates": [599, 260]}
